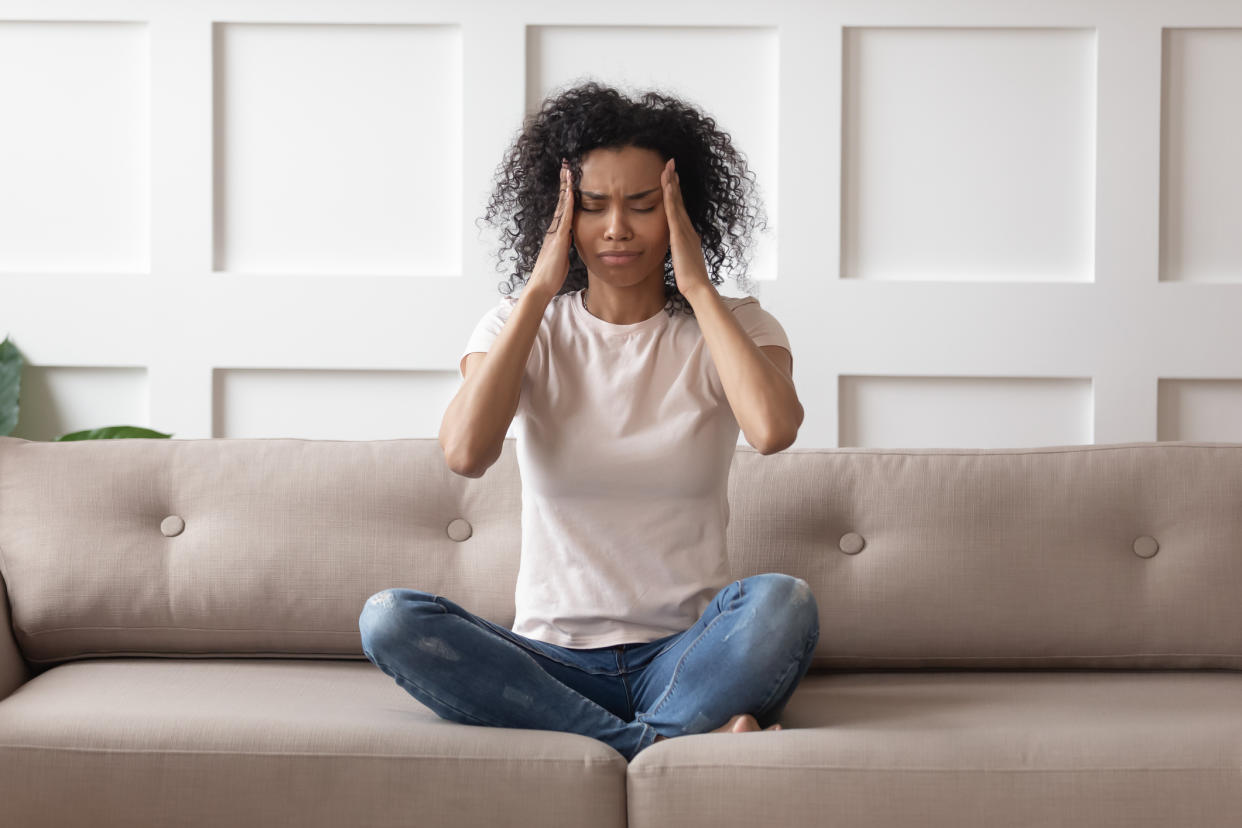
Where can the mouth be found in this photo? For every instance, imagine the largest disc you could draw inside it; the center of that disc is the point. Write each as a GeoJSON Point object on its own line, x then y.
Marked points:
{"type": "Point", "coordinates": [617, 258]}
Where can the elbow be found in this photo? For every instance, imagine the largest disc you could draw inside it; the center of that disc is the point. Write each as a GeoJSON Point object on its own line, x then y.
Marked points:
{"type": "Point", "coordinates": [780, 439]}
{"type": "Point", "coordinates": [464, 465]}
{"type": "Point", "coordinates": [777, 445]}
{"type": "Point", "coordinates": [465, 470]}
{"type": "Point", "coordinates": [462, 468]}
{"type": "Point", "coordinates": [456, 464]}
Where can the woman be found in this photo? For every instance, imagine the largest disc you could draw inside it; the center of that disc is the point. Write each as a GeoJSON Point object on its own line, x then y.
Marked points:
{"type": "Point", "coordinates": [628, 628]}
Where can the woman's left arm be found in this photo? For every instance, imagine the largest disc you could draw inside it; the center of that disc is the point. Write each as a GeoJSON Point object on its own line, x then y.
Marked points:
{"type": "Point", "coordinates": [760, 389]}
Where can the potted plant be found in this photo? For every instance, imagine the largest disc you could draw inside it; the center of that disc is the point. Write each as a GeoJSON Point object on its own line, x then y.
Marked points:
{"type": "Point", "coordinates": [10, 394]}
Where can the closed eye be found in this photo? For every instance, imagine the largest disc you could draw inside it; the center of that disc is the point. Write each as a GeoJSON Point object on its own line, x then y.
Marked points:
{"type": "Point", "coordinates": [636, 210]}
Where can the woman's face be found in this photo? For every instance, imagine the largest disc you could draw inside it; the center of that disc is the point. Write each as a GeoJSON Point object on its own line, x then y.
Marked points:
{"type": "Point", "coordinates": [604, 219]}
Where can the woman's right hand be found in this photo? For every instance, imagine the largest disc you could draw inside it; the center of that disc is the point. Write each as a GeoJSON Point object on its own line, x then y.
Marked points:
{"type": "Point", "coordinates": [552, 266]}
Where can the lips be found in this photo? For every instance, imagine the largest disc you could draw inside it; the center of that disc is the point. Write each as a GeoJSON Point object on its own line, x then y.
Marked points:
{"type": "Point", "coordinates": [618, 257]}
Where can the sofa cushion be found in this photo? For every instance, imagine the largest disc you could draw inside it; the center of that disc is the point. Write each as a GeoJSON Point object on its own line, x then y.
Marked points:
{"type": "Point", "coordinates": [937, 748]}
{"type": "Point", "coordinates": [281, 742]}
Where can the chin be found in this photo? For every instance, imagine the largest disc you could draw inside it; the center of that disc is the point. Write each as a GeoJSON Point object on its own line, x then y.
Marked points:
{"type": "Point", "coordinates": [620, 280]}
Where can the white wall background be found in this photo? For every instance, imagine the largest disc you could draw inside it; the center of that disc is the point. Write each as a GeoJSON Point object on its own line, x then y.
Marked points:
{"type": "Point", "coordinates": [994, 224]}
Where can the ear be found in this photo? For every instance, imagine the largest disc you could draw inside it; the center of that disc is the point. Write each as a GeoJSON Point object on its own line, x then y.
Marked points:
{"type": "Point", "coordinates": [780, 357]}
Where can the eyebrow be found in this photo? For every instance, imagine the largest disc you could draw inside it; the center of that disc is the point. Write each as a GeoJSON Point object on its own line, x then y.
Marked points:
{"type": "Point", "coordinates": [589, 194]}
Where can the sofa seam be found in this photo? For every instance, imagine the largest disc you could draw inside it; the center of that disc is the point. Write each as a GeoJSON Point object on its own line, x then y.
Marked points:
{"type": "Point", "coordinates": [819, 670]}
{"type": "Point", "coordinates": [307, 754]}
{"type": "Point", "coordinates": [664, 771]}
{"type": "Point", "coordinates": [1009, 452]}
{"type": "Point", "coordinates": [630, 771]}
{"type": "Point", "coordinates": [201, 655]}
{"type": "Point", "coordinates": [1014, 658]}
{"type": "Point", "coordinates": [197, 629]}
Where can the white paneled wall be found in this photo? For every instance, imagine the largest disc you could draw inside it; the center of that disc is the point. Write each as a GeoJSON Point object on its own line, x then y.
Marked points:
{"type": "Point", "coordinates": [75, 151]}
{"type": "Point", "coordinates": [991, 223]}
{"type": "Point", "coordinates": [968, 154]}
{"type": "Point", "coordinates": [337, 149]}
{"type": "Point", "coordinates": [1202, 172]}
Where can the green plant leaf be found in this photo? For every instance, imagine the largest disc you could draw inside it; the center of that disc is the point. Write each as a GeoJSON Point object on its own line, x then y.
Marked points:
{"type": "Point", "coordinates": [113, 433]}
{"type": "Point", "coordinates": [10, 385]}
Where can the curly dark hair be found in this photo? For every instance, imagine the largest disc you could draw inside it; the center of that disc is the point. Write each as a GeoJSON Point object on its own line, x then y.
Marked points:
{"type": "Point", "coordinates": [716, 185]}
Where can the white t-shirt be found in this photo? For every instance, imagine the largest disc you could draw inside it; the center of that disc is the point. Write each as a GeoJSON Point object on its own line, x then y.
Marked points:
{"type": "Point", "coordinates": [625, 439]}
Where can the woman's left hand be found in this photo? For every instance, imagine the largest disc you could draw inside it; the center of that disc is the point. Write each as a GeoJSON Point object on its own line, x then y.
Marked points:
{"type": "Point", "coordinates": [689, 266]}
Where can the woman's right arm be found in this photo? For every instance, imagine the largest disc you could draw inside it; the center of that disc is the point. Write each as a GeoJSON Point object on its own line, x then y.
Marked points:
{"type": "Point", "coordinates": [473, 430]}
{"type": "Point", "coordinates": [472, 433]}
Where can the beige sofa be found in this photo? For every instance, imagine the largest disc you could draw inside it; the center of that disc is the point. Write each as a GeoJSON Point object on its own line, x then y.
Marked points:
{"type": "Point", "coordinates": [1027, 637]}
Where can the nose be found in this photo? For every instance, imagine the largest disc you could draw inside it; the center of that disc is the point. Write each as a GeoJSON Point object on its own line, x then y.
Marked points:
{"type": "Point", "coordinates": [615, 226]}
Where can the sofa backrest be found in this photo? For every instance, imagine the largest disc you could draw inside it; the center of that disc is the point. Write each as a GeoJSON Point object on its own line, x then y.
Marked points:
{"type": "Point", "coordinates": [1098, 556]}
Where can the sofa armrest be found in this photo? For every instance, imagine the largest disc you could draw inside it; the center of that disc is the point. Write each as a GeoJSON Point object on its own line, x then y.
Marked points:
{"type": "Point", "coordinates": [13, 669]}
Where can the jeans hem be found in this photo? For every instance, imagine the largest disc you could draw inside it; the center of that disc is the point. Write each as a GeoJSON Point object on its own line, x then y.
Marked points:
{"type": "Point", "coordinates": [646, 738]}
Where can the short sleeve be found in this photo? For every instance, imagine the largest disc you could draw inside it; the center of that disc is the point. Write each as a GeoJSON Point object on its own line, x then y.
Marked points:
{"type": "Point", "coordinates": [489, 327]}
{"type": "Point", "coordinates": [760, 325]}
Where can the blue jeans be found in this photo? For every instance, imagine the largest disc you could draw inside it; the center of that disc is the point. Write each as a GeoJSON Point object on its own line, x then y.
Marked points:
{"type": "Point", "coordinates": [746, 654]}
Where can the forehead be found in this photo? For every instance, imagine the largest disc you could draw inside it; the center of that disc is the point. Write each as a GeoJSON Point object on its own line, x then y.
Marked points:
{"type": "Point", "coordinates": [625, 171]}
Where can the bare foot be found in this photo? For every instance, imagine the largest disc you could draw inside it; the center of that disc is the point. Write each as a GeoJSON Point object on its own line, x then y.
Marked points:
{"type": "Point", "coordinates": [741, 723]}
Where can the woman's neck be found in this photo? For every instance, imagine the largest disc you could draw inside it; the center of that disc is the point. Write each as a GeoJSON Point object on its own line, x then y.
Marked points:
{"type": "Point", "coordinates": [625, 308]}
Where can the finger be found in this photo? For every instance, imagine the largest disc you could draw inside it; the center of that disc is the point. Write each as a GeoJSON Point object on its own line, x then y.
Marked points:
{"type": "Point", "coordinates": [568, 198]}
{"type": "Point", "coordinates": [674, 185]}
{"type": "Point", "coordinates": [562, 202]}
{"type": "Point", "coordinates": [674, 208]}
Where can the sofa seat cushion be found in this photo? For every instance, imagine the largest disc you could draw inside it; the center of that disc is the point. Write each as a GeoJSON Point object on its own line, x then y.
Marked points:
{"type": "Point", "coordinates": [953, 748]}
{"type": "Point", "coordinates": [149, 741]}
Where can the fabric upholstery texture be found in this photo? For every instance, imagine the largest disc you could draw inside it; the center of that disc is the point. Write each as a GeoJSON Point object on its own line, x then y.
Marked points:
{"type": "Point", "coordinates": [1052, 632]}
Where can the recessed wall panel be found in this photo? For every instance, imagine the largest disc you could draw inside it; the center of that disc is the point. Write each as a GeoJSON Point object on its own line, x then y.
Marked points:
{"type": "Point", "coordinates": [58, 400]}
{"type": "Point", "coordinates": [337, 149]}
{"type": "Point", "coordinates": [74, 159]}
{"type": "Point", "coordinates": [332, 404]}
{"type": "Point", "coordinates": [729, 73]}
{"type": "Point", "coordinates": [964, 412]}
{"type": "Point", "coordinates": [968, 154]}
{"type": "Point", "coordinates": [1201, 176]}
{"type": "Point", "coordinates": [1204, 410]}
